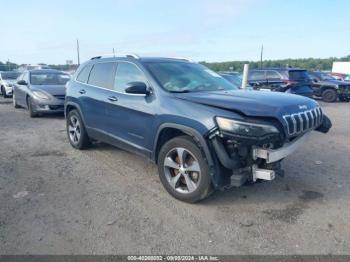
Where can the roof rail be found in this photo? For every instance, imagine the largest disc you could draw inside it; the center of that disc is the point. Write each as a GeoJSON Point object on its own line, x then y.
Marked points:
{"type": "Point", "coordinates": [183, 58]}
{"type": "Point", "coordinates": [113, 55]}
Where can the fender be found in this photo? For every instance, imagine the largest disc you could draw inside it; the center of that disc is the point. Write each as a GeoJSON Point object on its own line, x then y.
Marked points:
{"type": "Point", "coordinates": [187, 130]}
{"type": "Point", "coordinates": [212, 161]}
{"type": "Point", "coordinates": [77, 106]}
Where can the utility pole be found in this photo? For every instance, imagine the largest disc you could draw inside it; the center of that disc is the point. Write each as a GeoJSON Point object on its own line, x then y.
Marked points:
{"type": "Point", "coordinates": [78, 52]}
{"type": "Point", "coordinates": [113, 52]}
{"type": "Point", "coordinates": [261, 55]}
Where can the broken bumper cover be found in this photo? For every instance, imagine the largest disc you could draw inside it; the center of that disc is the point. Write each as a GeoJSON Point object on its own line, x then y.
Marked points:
{"type": "Point", "coordinates": [274, 155]}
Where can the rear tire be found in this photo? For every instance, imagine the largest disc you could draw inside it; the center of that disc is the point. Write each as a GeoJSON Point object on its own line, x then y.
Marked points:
{"type": "Point", "coordinates": [3, 92]}
{"type": "Point", "coordinates": [31, 110]}
{"type": "Point", "coordinates": [76, 131]}
{"type": "Point", "coordinates": [329, 95]}
{"type": "Point", "coordinates": [187, 179]}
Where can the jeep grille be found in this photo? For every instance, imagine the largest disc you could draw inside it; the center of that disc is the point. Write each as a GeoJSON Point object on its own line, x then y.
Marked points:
{"type": "Point", "coordinates": [303, 121]}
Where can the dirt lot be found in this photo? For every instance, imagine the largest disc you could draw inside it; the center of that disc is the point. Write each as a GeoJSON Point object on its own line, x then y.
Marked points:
{"type": "Point", "coordinates": [57, 200]}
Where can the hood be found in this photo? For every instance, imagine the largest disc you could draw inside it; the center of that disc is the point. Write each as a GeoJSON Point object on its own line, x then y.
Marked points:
{"type": "Point", "coordinates": [252, 103]}
{"type": "Point", "coordinates": [10, 81]}
{"type": "Point", "coordinates": [51, 89]}
{"type": "Point", "coordinates": [335, 82]}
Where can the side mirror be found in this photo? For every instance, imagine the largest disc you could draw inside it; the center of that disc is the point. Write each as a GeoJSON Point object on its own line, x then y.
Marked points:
{"type": "Point", "coordinates": [139, 88]}
{"type": "Point", "coordinates": [22, 82]}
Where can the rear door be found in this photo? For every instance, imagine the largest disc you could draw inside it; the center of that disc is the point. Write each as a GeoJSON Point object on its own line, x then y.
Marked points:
{"type": "Point", "coordinates": [94, 95]}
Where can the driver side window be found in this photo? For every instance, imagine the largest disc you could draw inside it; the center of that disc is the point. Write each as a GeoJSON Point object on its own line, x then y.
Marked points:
{"type": "Point", "coordinates": [126, 73]}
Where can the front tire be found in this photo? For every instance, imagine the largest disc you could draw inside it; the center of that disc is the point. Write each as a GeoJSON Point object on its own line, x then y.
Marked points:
{"type": "Point", "coordinates": [329, 95]}
{"type": "Point", "coordinates": [14, 102]}
{"type": "Point", "coordinates": [31, 110]}
{"type": "Point", "coordinates": [76, 131]}
{"type": "Point", "coordinates": [183, 170]}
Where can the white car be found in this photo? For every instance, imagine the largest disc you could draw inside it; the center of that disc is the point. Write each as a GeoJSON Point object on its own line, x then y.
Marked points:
{"type": "Point", "coordinates": [7, 80]}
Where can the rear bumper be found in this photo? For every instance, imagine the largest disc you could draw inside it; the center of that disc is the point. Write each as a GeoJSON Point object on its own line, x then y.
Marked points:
{"type": "Point", "coordinates": [8, 90]}
{"type": "Point", "coordinates": [274, 155]}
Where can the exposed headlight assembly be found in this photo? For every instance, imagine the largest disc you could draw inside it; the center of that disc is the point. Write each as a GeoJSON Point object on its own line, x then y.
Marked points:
{"type": "Point", "coordinates": [41, 95]}
{"type": "Point", "coordinates": [245, 128]}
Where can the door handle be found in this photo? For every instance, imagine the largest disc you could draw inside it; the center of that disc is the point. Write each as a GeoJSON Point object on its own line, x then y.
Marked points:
{"type": "Point", "coordinates": [82, 91]}
{"type": "Point", "coordinates": [112, 98]}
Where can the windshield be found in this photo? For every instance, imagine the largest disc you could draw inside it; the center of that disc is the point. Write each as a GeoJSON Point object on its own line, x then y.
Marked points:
{"type": "Point", "coordinates": [234, 79]}
{"type": "Point", "coordinates": [187, 77]}
{"type": "Point", "coordinates": [9, 75]}
{"type": "Point", "coordinates": [325, 76]}
{"type": "Point", "coordinates": [49, 78]}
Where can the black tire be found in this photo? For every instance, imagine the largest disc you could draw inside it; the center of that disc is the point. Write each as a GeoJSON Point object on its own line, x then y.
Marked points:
{"type": "Point", "coordinates": [329, 95]}
{"type": "Point", "coordinates": [202, 186]}
{"type": "Point", "coordinates": [83, 141]}
{"type": "Point", "coordinates": [3, 92]}
{"type": "Point", "coordinates": [14, 102]}
{"type": "Point", "coordinates": [31, 110]}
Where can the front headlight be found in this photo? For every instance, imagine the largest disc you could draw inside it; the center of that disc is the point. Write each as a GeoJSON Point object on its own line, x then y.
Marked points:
{"type": "Point", "coordinates": [41, 95]}
{"type": "Point", "coordinates": [245, 128]}
{"type": "Point", "coordinates": [8, 84]}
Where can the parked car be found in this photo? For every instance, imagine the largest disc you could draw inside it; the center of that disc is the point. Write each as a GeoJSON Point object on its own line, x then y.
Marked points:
{"type": "Point", "coordinates": [289, 80]}
{"type": "Point", "coordinates": [341, 77]}
{"type": "Point", "coordinates": [329, 88]}
{"type": "Point", "coordinates": [234, 77]}
{"type": "Point", "coordinates": [7, 80]}
{"type": "Point", "coordinates": [40, 91]}
{"type": "Point", "coordinates": [201, 131]}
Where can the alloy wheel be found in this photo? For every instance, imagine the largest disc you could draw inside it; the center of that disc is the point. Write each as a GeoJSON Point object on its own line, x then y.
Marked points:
{"type": "Point", "coordinates": [182, 170]}
{"type": "Point", "coordinates": [74, 129]}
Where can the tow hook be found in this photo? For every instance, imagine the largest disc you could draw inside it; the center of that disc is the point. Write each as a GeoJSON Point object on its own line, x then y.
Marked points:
{"type": "Point", "coordinates": [265, 174]}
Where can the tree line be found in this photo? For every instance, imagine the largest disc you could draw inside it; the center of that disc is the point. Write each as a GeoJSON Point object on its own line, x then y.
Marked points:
{"type": "Point", "coordinates": [324, 64]}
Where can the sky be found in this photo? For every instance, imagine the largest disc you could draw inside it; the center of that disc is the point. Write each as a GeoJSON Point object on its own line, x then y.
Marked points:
{"type": "Point", "coordinates": [41, 31]}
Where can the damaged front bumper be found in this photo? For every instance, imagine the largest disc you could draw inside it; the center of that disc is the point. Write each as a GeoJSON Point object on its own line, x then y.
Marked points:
{"type": "Point", "coordinates": [274, 155]}
{"type": "Point", "coordinates": [257, 159]}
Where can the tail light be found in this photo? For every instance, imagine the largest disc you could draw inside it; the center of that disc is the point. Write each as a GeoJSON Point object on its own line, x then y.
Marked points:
{"type": "Point", "coordinates": [289, 82]}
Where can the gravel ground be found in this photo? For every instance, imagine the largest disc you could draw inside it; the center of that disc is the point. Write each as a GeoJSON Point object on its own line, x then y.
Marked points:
{"type": "Point", "coordinates": [57, 200]}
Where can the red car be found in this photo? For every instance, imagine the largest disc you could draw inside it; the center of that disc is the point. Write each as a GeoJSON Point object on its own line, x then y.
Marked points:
{"type": "Point", "coordinates": [342, 77]}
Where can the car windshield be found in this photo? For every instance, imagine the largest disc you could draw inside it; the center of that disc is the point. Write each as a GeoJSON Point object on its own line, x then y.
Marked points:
{"type": "Point", "coordinates": [9, 75]}
{"type": "Point", "coordinates": [49, 78]}
{"type": "Point", "coordinates": [234, 79]}
{"type": "Point", "coordinates": [180, 77]}
{"type": "Point", "coordinates": [325, 76]}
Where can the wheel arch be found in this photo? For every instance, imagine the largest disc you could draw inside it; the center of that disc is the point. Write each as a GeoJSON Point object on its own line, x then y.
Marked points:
{"type": "Point", "coordinates": [69, 106]}
{"type": "Point", "coordinates": [170, 130]}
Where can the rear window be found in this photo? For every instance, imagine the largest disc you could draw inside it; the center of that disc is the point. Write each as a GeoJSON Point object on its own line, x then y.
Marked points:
{"type": "Point", "coordinates": [298, 75]}
{"type": "Point", "coordinates": [257, 75]}
{"type": "Point", "coordinates": [272, 75]}
{"type": "Point", "coordinates": [84, 74]}
{"type": "Point", "coordinates": [102, 75]}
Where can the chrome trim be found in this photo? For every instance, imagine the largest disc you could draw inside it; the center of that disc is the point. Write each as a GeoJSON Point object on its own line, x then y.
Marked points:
{"type": "Point", "coordinates": [313, 119]}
